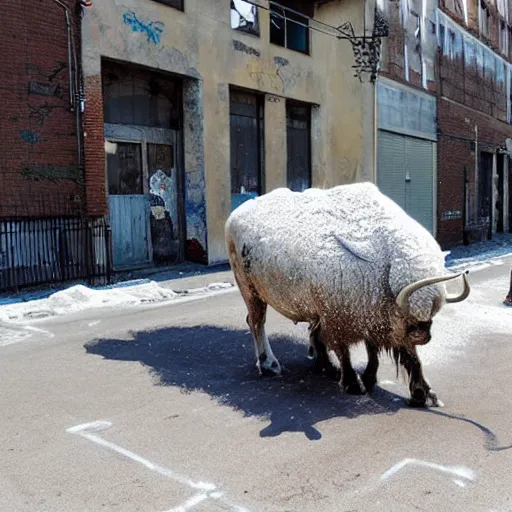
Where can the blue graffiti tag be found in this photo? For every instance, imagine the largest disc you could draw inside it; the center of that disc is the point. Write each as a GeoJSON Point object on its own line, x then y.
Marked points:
{"type": "Point", "coordinates": [30, 136]}
{"type": "Point", "coordinates": [152, 30]}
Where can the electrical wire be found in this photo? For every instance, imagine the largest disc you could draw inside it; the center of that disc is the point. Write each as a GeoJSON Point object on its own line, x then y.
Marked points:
{"type": "Point", "coordinates": [337, 33]}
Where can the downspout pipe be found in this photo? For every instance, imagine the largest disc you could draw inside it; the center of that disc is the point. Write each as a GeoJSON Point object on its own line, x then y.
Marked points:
{"type": "Point", "coordinates": [74, 85]}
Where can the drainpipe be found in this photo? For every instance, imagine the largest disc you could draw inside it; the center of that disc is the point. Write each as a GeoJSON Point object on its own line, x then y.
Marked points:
{"type": "Point", "coordinates": [74, 82]}
{"type": "Point", "coordinates": [70, 70]}
{"type": "Point", "coordinates": [475, 206]}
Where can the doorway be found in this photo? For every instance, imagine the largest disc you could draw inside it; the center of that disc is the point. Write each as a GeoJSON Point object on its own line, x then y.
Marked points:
{"type": "Point", "coordinates": [143, 127]}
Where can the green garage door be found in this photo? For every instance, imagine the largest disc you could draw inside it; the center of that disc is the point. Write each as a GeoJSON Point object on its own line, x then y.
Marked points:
{"type": "Point", "coordinates": [405, 168]}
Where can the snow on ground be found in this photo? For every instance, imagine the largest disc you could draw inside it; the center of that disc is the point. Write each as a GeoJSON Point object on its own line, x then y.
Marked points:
{"type": "Point", "coordinates": [480, 255]}
{"type": "Point", "coordinates": [80, 298]}
{"type": "Point", "coordinates": [133, 293]}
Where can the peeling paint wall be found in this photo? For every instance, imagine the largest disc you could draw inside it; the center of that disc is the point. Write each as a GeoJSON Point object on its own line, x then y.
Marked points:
{"type": "Point", "coordinates": [200, 45]}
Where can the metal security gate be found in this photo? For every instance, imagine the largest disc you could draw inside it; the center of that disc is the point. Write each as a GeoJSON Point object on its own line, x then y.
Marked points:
{"type": "Point", "coordinates": [405, 173]}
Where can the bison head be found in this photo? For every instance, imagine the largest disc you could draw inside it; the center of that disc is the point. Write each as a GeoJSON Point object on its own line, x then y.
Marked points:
{"type": "Point", "coordinates": [408, 328]}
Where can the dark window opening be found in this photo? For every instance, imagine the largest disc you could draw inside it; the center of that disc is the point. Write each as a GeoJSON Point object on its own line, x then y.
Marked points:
{"type": "Point", "coordinates": [244, 17]}
{"type": "Point", "coordinates": [138, 97]}
{"type": "Point", "coordinates": [298, 146]}
{"type": "Point", "coordinates": [177, 4]}
{"type": "Point", "coordinates": [485, 188]}
{"type": "Point", "coordinates": [289, 29]}
{"type": "Point", "coordinates": [124, 169]}
{"type": "Point", "coordinates": [247, 153]}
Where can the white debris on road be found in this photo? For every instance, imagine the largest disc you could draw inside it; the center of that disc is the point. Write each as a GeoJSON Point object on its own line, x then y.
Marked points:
{"type": "Point", "coordinates": [80, 298]}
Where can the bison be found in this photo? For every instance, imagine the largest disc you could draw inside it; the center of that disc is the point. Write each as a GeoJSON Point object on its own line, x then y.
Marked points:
{"type": "Point", "coordinates": [353, 265]}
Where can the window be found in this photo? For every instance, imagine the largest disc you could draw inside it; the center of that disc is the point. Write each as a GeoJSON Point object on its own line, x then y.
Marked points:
{"type": "Point", "coordinates": [289, 29]}
{"type": "Point", "coordinates": [177, 4]}
{"type": "Point", "coordinates": [298, 146]}
{"type": "Point", "coordinates": [138, 97]}
{"type": "Point", "coordinates": [246, 139]}
{"type": "Point", "coordinates": [503, 37]}
{"type": "Point", "coordinates": [124, 168]}
{"type": "Point", "coordinates": [483, 19]}
{"type": "Point", "coordinates": [244, 17]}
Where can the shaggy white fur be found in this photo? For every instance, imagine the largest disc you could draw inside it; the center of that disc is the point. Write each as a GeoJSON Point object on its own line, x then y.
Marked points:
{"type": "Point", "coordinates": [350, 243]}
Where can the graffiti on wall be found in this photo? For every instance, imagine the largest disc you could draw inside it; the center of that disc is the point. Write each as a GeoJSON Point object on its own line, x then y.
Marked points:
{"type": "Point", "coordinates": [195, 185]}
{"type": "Point", "coordinates": [51, 173]}
{"type": "Point", "coordinates": [45, 89]}
{"type": "Point", "coordinates": [30, 136]}
{"type": "Point", "coordinates": [35, 72]}
{"type": "Point", "coordinates": [152, 30]}
{"type": "Point", "coordinates": [40, 113]}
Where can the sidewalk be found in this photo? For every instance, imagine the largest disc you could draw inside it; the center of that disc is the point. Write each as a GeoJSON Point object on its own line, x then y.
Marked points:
{"type": "Point", "coordinates": [184, 278]}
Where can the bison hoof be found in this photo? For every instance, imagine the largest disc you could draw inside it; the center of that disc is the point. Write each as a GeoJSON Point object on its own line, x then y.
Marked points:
{"type": "Point", "coordinates": [354, 387]}
{"type": "Point", "coordinates": [424, 398]}
{"type": "Point", "coordinates": [369, 382]}
{"type": "Point", "coordinates": [268, 367]}
{"type": "Point", "coordinates": [433, 400]}
{"type": "Point", "coordinates": [418, 398]}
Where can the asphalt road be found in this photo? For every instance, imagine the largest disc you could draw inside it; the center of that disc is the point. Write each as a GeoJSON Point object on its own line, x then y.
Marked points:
{"type": "Point", "coordinates": [181, 421]}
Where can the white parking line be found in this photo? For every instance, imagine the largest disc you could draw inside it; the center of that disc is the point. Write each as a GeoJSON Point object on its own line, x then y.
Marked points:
{"type": "Point", "coordinates": [209, 491]}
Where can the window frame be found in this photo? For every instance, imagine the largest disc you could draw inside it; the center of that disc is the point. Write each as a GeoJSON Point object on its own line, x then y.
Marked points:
{"type": "Point", "coordinates": [304, 21]}
{"type": "Point", "coordinates": [291, 108]}
{"type": "Point", "coordinates": [254, 30]}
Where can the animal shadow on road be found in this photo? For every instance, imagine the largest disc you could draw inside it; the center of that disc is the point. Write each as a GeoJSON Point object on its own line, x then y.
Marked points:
{"type": "Point", "coordinates": [221, 363]}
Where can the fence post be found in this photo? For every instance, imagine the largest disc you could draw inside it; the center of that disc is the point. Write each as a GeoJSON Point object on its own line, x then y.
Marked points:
{"type": "Point", "coordinates": [108, 249]}
{"type": "Point", "coordinates": [508, 298]}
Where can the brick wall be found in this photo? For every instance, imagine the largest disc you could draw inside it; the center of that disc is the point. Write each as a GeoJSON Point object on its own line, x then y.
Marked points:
{"type": "Point", "coordinates": [466, 96]}
{"type": "Point", "coordinates": [38, 134]}
{"type": "Point", "coordinates": [94, 146]}
{"type": "Point", "coordinates": [456, 124]}
{"type": "Point", "coordinates": [41, 172]}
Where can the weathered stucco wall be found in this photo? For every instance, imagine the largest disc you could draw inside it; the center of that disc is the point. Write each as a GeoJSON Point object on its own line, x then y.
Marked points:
{"type": "Point", "coordinates": [200, 44]}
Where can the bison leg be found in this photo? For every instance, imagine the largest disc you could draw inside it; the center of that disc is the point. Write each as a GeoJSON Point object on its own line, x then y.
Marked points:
{"type": "Point", "coordinates": [369, 376]}
{"type": "Point", "coordinates": [421, 393]}
{"type": "Point", "coordinates": [318, 351]}
{"type": "Point", "coordinates": [350, 381]}
{"type": "Point", "coordinates": [266, 361]}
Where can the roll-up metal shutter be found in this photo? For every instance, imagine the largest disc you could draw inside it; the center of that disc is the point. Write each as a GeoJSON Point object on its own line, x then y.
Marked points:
{"type": "Point", "coordinates": [405, 168]}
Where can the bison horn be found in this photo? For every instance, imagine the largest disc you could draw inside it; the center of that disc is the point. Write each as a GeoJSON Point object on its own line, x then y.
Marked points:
{"type": "Point", "coordinates": [403, 297]}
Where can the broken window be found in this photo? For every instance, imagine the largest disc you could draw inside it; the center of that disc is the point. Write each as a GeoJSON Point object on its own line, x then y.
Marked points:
{"type": "Point", "coordinates": [244, 17]}
{"type": "Point", "coordinates": [124, 168]}
{"type": "Point", "coordinates": [289, 29]}
{"type": "Point", "coordinates": [298, 146]}
{"type": "Point", "coordinates": [177, 4]}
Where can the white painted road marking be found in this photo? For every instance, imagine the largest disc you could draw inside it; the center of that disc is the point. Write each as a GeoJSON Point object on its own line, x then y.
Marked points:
{"type": "Point", "coordinates": [458, 471]}
{"type": "Point", "coordinates": [208, 491]}
{"type": "Point", "coordinates": [11, 333]}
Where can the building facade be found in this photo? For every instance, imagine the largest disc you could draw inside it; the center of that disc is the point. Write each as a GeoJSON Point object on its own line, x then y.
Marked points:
{"type": "Point", "coordinates": [194, 106]}
{"type": "Point", "coordinates": [46, 233]}
{"type": "Point", "coordinates": [444, 113]}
